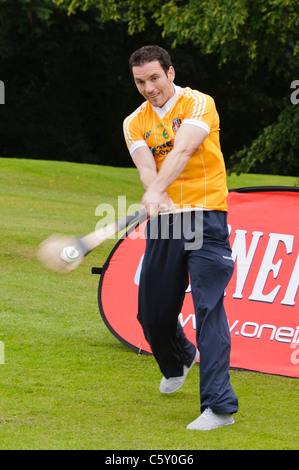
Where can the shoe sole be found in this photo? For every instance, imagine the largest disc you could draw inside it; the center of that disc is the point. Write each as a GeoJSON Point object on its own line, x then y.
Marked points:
{"type": "Point", "coordinates": [212, 427]}
{"type": "Point", "coordinates": [196, 357]}
{"type": "Point", "coordinates": [173, 390]}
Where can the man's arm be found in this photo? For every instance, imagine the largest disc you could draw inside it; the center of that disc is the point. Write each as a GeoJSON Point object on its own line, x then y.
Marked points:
{"type": "Point", "coordinates": [189, 137]}
{"type": "Point", "coordinates": [145, 163]}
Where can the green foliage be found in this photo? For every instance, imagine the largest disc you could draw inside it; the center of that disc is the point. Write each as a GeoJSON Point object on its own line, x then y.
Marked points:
{"type": "Point", "coordinates": [62, 77]}
{"type": "Point", "coordinates": [277, 147]}
{"type": "Point", "coordinates": [262, 30]}
{"type": "Point", "coordinates": [68, 88]}
{"type": "Point", "coordinates": [250, 34]}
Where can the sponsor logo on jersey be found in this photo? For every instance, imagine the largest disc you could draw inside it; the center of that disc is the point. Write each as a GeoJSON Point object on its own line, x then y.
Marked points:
{"type": "Point", "coordinates": [176, 124]}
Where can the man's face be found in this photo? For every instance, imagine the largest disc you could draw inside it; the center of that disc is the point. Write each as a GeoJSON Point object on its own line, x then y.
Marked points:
{"type": "Point", "coordinates": [153, 83]}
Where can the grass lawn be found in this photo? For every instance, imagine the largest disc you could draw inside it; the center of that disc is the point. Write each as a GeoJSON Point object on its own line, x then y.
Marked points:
{"type": "Point", "coordinates": [67, 383]}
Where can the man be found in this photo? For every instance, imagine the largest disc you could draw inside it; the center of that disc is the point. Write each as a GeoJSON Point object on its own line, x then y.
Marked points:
{"type": "Point", "coordinates": [173, 139]}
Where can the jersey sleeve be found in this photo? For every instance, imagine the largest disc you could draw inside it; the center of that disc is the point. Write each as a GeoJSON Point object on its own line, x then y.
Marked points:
{"type": "Point", "coordinates": [200, 110]}
{"type": "Point", "coordinates": [133, 133]}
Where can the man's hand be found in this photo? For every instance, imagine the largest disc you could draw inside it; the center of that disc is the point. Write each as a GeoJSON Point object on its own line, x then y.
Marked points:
{"type": "Point", "coordinates": [156, 202]}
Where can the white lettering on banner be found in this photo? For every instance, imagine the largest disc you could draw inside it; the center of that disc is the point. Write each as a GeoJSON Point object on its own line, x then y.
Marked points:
{"type": "Point", "coordinates": [190, 317]}
{"type": "Point", "coordinates": [243, 262]}
{"type": "Point", "coordinates": [294, 355]}
{"type": "Point", "coordinates": [137, 274]}
{"type": "Point", "coordinates": [244, 258]}
{"type": "Point", "coordinates": [281, 334]}
{"type": "Point", "coordinates": [267, 266]}
{"type": "Point", "coordinates": [289, 298]}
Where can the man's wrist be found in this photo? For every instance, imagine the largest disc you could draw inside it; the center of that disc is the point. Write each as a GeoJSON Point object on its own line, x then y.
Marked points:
{"type": "Point", "coordinates": [157, 186]}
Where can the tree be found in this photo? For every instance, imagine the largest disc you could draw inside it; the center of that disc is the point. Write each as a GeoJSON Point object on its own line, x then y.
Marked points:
{"type": "Point", "coordinates": [276, 147]}
{"type": "Point", "coordinates": [262, 30]}
{"type": "Point", "coordinates": [259, 34]}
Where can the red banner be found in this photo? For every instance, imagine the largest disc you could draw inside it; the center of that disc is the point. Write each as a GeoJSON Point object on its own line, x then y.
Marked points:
{"type": "Point", "coordinates": [260, 299]}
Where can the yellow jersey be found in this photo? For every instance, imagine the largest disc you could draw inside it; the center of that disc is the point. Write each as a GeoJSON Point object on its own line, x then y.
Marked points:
{"type": "Point", "coordinates": [203, 181]}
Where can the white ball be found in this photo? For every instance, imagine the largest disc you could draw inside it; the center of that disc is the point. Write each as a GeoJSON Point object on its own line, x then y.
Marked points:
{"type": "Point", "coordinates": [70, 254]}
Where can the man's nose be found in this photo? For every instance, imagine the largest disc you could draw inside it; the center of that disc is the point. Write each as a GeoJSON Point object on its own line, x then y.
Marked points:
{"type": "Point", "coordinates": [149, 87]}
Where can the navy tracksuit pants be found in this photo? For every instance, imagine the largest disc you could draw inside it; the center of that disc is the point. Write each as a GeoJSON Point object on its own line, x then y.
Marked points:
{"type": "Point", "coordinates": [163, 281]}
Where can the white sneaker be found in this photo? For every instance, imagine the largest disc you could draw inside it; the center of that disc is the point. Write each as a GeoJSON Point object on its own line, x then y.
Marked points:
{"type": "Point", "coordinates": [174, 383]}
{"type": "Point", "coordinates": [209, 420]}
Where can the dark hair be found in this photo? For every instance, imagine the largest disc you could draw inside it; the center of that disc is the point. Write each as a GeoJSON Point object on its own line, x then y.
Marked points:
{"type": "Point", "coordinates": [148, 54]}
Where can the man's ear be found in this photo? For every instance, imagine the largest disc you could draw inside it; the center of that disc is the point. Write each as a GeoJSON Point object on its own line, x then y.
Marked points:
{"type": "Point", "coordinates": [171, 74]}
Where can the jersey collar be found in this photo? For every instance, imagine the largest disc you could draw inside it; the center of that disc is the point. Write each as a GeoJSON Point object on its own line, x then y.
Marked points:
{"type": "Point", "coordinates": [169, 104]}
